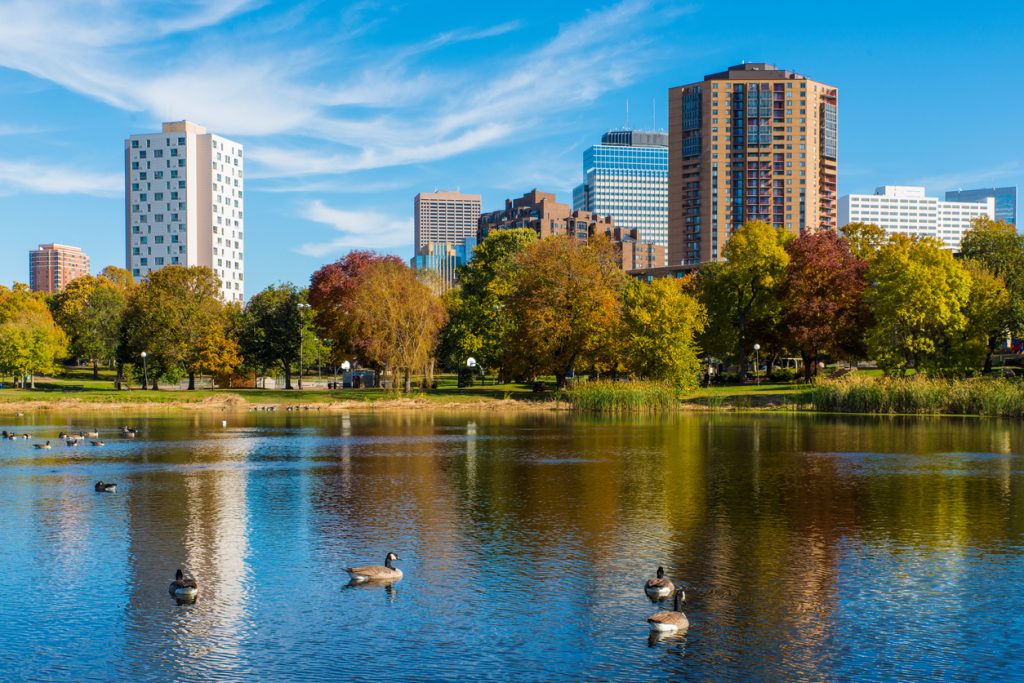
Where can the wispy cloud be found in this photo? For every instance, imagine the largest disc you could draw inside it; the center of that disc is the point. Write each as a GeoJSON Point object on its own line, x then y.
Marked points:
{"type": "Point", "coordinates": [1003, 172]}
{"type": "Point", "coordinates": [359, 230]}
{"type": "Point", "coordinates": [38, 178]}
{"type": "Point", "coordinates": [383, 107]}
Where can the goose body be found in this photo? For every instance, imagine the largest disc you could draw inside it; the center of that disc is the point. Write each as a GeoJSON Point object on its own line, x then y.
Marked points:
{"type": "Point", "coordinates": [659, 587]}
{"type": "Point", "coordinates": [376, 572]}
{"type": "Point", "coordinates": [182, 588]}
{"type": "Point", "coordinates": [71, 442]}
{"type": "Point", "coordinates": [105, 487]}
{"type": "Point", "coordinates": [96, 443]}
{"type": "Point", "coordinates": [669, 621]}
{"type": "Point", "coordinates": [93, 434]}
{"type": "Point", "coordinates": [43, 446]}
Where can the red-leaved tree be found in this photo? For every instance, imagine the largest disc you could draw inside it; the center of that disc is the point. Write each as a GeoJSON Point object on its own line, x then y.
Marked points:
{"type": "Point", "coordinates": [822, 298]}
{"type": "Point", "coordinates": [332, 291]}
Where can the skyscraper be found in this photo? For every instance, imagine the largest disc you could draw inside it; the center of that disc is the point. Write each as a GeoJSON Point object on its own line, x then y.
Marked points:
{"type": "Point", "coordinates": [445, 217]}
{"type": "Point", "coordinates": [52, 266]}
{"type": "Point", "coordinates": [1005, 198]}
{"type": "Point", "coordinates": [905, 210]}
{"type": "Point", "coordinates": [184, 204]}
{"type": "Point", "coordinates": [626, 177]}
{"type": "Point", "coordinates": [750, 143]}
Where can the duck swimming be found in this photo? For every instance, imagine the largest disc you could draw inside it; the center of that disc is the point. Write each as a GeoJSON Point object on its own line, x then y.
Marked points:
{"type": "Point", "coordinates": [105, 487]}
{"type": "Point", "coordinates": [376, 572]}
{"type": "Point", "coordinates": [182, 588]}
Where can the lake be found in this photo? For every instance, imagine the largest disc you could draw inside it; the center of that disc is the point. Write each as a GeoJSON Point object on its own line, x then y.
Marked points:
{"type": "Point", "coordinates": [811, 548]}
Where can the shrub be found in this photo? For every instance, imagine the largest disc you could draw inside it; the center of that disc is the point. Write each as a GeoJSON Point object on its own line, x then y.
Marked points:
{"type": "Point", "coordinates": [919, 395]}
{"type": "Point", "coordinates": [605, 396]}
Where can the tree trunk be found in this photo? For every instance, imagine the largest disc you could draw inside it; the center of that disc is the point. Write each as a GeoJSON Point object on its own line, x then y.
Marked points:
{"type": "Point", "coordinates": [808, 369]}
{"type": "Point", "coordinates": [559, 379]}
{"type": "Point", "coordinates": [287, 375]}
{"type": "Point", "coordinates": [408, 383]}
{"type": "Point", "coordinates": [191, 381]}
{"type": "Point", "coordinates": [95, 368]}
{"type": "Point", "coordinates": [988, 356]}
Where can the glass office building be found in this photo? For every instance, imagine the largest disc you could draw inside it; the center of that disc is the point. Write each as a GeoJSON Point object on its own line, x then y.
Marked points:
{"type": "Point", "coordinates": [626, 177]}
{"type": "Point", "coordinates": [1006, 200]}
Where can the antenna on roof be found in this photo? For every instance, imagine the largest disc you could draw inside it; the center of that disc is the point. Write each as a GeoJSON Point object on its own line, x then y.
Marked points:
{"type": "Point", "coordinates": [627, 113]}
{"type": "Point", "coordinates": [654, 113]}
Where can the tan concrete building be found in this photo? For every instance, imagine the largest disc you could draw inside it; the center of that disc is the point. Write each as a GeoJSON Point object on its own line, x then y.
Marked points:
{"type": "Point", "coordinates": [545, 215]}
{"type": "Point", "coordinates": [52, 266]}
{"type": "Point", "coordinates": [448, 217]}
{"type": "Point", "coordinates": [750, 143]}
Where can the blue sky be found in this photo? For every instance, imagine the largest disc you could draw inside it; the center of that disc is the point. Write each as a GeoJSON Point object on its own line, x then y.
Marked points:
{"type": "Point", "coordinates": [346, 111]}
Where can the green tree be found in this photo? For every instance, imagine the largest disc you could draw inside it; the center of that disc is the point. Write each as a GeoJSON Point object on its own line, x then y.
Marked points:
{"type": "Point", "coordinates": [172, 316]}
{"type": "Point", "coordinates": [30, 340]}
{"type": "Point", "coordinates": [918, 296]}
{"type": "Point", "coordinates": [271, 327]}
{"type": "Point", "coordinates": [865, 239]}
{"type": "Point", "coordinates": [478, 320]}
{"type": "Point", "coordinates": [396, 319]}
{"type": "Point", "coordinates": [989, 308]}
{"type": "Point", "coordinates": [996, 247]}
{"type": "Point", "coordinates": [740, 294]}
{"type": "Point", "coordinates": [565, 299]}
{"type": "Point", "coordinates": [89, 310]}
{"type": "Point", "coordinates": [660, 322]}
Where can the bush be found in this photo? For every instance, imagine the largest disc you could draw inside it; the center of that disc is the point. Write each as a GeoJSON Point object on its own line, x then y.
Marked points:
{"type": "Point", "coordinates": [605, 396]}
{"type": "Point", "coordinates": [783, 374]}
{"type": "Point", "coordinates": [920, 396]}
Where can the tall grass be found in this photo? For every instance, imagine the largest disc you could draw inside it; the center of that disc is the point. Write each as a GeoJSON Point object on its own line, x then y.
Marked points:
{"type": "Point", "coordinates": [604, 396]}
{"type": "Point", "coordinates": [976, 396]}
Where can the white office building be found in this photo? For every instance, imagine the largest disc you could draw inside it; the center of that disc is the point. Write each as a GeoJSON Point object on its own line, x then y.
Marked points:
{"type": "Point", "coordinates": [906, 210]}
{"type": "Point", "coordinates": [184, 204]}
{"type": "Point", "coordinates": [445, 217]}
{"type": "Point", "coordinates": [626, 177]}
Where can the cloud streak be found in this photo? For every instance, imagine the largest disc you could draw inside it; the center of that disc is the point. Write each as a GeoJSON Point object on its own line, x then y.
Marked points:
{"type": "Point", "coordinates": [38, 178]}
{"type": "Point", "coordinates": [359, 230]}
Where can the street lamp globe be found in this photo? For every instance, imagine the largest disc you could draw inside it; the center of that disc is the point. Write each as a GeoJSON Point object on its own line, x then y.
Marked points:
{"type": "Point", "coordinates": [757, 347]}
{"type": "Point", "coordinates": [143, 354]}
{"type": "Point", "coordinates": [471, 362]}
{"type": "Point", "coordinates": [345, 365]}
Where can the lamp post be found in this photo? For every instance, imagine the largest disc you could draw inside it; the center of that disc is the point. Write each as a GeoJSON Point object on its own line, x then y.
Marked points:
{"type": "Point", "coordinates": [301, 308]}
{"type": "Point", "coordinates": [345, 367]}
{"type": "Point", "coordinates": [757, 364]}
{"type": "Point", "coordinates": [145, 372]}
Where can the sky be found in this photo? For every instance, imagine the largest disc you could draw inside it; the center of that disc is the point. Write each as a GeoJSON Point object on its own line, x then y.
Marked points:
{"type": "Point", "coordinates": [346, 111]}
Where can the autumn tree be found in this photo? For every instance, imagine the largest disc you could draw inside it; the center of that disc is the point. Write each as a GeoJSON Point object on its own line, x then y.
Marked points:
{"type": "Point", "coordinates": [564, 299]}
{"type": "Point", "coordinates": [331, 295]}
{"type": "Point", "coordinates": [394, 318]}
{"type": "Point", "coordinates": [30, 340]}
{"type": "Point", "coordinates": [176, 316]}
{"type": "Point", "coordinates": [270, 329]}
{"type": "Point", "coordinates": [822, 298]}
{"type": "Point", "coordinates": [989, 310]}
{"type": "Point", "coordinates": [658, 331]}
{"type": "Point", "coordinates": [996, 247]}
{"type": "Point", "coordinates": [740, 294]}
{"type": "Point", "coordinates": [918, 297]}
{"type": "Point", "coordinates": [864, 239]}
{"type": "Point", "coordinates": [89, 311]}
{"type": "Point", "coordinates": [478, 321]}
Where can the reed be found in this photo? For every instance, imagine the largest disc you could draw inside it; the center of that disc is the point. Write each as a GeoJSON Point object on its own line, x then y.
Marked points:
{"type": "Point", "coordinates": [604, 396]}
{"type": "Point", "coordinates": [919, 396]}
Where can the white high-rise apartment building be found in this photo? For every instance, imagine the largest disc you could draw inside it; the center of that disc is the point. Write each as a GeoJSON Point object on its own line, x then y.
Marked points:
{"type": "Point", "coordinates": [184, 204]}
{"type": "Point", "coordinates": [448, 217]}
{"type": "Point", "coordinates": [906, 210]}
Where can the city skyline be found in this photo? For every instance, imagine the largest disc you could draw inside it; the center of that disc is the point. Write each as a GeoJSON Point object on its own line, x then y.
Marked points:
{"type": "Point", "coordinates": [333, 161]}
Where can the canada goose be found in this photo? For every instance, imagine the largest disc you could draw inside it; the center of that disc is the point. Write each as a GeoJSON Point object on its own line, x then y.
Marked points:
{"type": "Point", "coordinates": [94, 434]}
{"type": "Point", "coordinates": [71, 441]}
{"type": "Point", "coordinates": [182, 588]}
{"type": "Point", "coordinates": [668, 621]}
{"type": "Point", "coordinates": [105, 487]}
{"type": "Point", "coordinates": [96, 443]}
{"type": "Point", "coordinates": [128, 431]}
{"type": "Point", "coordinates": [660, 587]}
{"type": "Point", "coordinates": [377, 573]}
{"type": "Point", "coordinates": [42, 446]}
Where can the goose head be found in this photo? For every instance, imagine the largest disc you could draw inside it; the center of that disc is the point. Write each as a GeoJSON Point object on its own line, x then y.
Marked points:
{"type": "Point", "coordinates": [661, 572]}
{"type": "Point", "coordinates": [390, 558]}
{"type": "Point", "coordinates": [179, 575]}
{"type": "Point", "coordinates": [679, 600]}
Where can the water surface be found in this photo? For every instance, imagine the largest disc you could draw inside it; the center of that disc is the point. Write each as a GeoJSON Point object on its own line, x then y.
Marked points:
{"type": "Point", "coordinates": [811, 548]}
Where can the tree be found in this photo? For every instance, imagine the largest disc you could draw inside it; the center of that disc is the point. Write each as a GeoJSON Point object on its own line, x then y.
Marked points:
{"type": "Point", "coordinates": [172, 316]}
{"type": "Point", "coordinates": [989, 310]}
{"type": "Point", "coordinates": [822, 297]}
{"type": "Point", "coordinates": [30, 341]}
{"type": "Point", "coordinates": [865, 239]}
{"type": "Point", "coordinates": [396, 319]}
{"type": "Point", "coordinates": [271, 327]}
{"type": "Point", "coordinates": [742, 292]}
{"type": "Point", "coordinates": [659, 324]}
{"type": "Point", "coordinates": [918, 295]}
{"type": "Point", "coordinates": [565, 296]}
{"type": "Point", "coordinates": [331, 294]}
{"type": "Point", "coordinates": [89, 311]}
{"type": "Point", "coordinates": [120, 277]}
{"type": "Point", "coordinates": [478, 322]}
{"type": "Point", "coordinates": [997, 248]}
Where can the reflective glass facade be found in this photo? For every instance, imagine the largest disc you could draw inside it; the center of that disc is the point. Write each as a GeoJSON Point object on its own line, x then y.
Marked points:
{"type": "Point", "coordinates": [626, 177]}
{"type": "Point", "coordinates": [1006, 200]}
